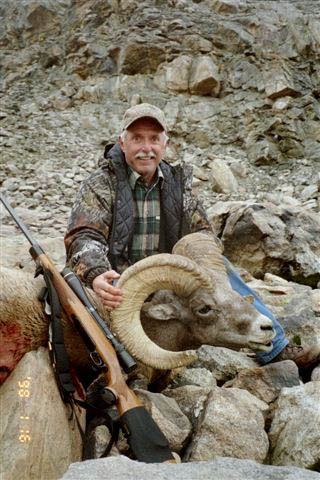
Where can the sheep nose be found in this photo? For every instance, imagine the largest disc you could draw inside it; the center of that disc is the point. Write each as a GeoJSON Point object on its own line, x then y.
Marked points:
{"type": "Point", "coordinates": [267, 327]}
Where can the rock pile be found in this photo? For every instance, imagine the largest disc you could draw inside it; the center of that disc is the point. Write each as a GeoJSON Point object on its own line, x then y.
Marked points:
{"type": "Point", "coordinates": [224, 405]}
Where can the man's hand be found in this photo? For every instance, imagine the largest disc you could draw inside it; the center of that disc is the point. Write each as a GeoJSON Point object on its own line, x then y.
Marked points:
{"type": "Point", "coordinates": [110, 295]}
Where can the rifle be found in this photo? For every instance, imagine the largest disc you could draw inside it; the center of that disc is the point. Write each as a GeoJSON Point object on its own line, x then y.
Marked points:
{"type": "Point", "coordinates": [145, 438]}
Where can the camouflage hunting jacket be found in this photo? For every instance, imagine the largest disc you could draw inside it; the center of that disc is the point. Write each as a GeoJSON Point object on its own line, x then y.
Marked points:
{"type": "Point", "coordinates": [101, 223]}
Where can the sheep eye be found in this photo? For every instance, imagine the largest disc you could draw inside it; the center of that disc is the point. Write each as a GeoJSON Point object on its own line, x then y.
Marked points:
{"type": "Point", "coordinates": [204, 310]}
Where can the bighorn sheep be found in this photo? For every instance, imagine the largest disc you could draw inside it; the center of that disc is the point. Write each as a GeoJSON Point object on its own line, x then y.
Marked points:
{"type": "Point", "coordinates": [200, 308]}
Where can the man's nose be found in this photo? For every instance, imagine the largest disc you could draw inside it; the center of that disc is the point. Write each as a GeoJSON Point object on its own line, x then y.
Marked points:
{"type": "Point", "coordinates": [146, 146]}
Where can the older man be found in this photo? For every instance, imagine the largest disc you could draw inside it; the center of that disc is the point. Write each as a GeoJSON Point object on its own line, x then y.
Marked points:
{"type": "Point", "coordinates": [135, 205]}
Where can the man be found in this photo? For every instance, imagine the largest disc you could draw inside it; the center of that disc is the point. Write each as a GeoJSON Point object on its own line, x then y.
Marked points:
{"type": "Point", "coordinates": [135, 205]}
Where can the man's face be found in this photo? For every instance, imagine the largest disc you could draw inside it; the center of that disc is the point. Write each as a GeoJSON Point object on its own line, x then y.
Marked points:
{"type": "Point", "coordinates": [144, 146]}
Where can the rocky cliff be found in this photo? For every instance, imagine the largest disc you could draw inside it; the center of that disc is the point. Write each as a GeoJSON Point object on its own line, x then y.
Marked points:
{"type": "Point", "coordinates": [239, 82]}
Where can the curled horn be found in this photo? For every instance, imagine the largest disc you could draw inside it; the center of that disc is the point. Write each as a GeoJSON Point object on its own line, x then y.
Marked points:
{"type": "Point", "coordinates": [203, 249]}
{"type": "Point", "coordinates": [162, 271]}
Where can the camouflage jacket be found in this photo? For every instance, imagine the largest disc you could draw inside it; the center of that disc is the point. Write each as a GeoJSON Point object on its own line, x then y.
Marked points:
{"type": "Point", "coordinates": [101, 221]}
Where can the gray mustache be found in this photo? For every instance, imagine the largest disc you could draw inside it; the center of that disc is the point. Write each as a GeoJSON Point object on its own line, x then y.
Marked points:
{"type": "Point", "coordinates": [144, 155]}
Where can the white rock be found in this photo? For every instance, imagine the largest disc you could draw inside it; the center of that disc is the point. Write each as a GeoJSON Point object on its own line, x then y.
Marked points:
{"type": "Point", "coordinates": [38, 440]}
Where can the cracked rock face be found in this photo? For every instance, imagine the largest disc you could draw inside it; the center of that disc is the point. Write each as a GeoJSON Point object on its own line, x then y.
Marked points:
{"type": "Point", "coordinates": [239, 83]}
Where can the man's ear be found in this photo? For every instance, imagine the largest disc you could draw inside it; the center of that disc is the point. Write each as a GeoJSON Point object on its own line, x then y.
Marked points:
{"type": "Point", "coordinates": [121, 143]}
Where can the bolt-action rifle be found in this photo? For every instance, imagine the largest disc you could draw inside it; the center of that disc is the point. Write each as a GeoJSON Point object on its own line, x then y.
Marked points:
{"type": "Point", "coordinates": [145, 438]}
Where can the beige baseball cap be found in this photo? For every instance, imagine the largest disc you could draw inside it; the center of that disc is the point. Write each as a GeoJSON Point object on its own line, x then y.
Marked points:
{"type": "Point", "coordinates": [140, 111]}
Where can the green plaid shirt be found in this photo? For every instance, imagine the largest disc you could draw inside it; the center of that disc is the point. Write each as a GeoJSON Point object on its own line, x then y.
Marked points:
{"type": "Point", "coordinates": [146, 231]}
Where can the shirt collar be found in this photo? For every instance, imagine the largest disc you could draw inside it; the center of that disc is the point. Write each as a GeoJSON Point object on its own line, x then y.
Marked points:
{"type": "Point", "coordinates": [135, 176]}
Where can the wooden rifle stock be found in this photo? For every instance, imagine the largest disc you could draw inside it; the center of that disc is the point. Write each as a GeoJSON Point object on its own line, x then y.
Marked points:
{"type": "Point", "coordinates": [125, 398]}
{"type": "Point", "coordinates": [144, 436]}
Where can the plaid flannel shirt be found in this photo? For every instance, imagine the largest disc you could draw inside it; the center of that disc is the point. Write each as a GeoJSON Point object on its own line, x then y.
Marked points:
{"type": "Point", "coordinates": [145, 240]}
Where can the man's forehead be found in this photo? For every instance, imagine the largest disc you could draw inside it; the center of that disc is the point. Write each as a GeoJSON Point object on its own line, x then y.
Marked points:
{"type": "Point", "coordinates": [145, 123]}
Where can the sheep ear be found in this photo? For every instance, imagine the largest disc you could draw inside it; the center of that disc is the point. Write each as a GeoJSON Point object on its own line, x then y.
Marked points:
{"type": "Point", "coordinates": [249, 298]}
{"type": "Point", "coordinates": [162, 312]}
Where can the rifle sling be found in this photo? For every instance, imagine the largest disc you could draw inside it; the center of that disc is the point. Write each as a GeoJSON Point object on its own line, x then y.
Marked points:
{"type": "Point", "coordinates": [57, 351]}
{"type": "Point", "coordinates": [60, 362]}
{"type": "Point", "coordinates": [101, 417]}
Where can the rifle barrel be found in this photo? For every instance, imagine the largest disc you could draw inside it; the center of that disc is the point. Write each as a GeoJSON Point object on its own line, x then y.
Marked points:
{"type": "Point", "coordinates": [19, 222]}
